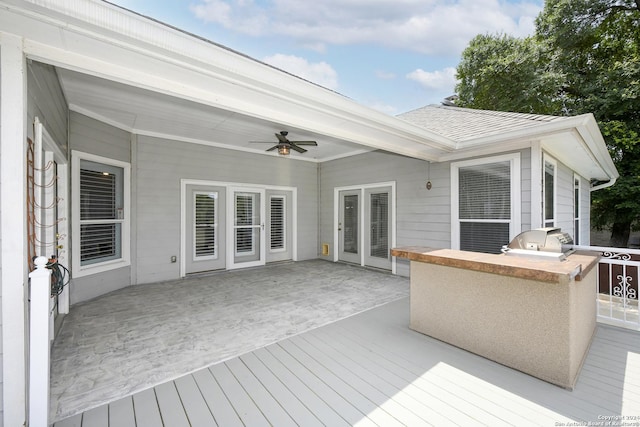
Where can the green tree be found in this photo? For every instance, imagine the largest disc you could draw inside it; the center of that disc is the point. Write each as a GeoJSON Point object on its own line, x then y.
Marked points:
{"type": "Point", "coordinates": [584, 57]}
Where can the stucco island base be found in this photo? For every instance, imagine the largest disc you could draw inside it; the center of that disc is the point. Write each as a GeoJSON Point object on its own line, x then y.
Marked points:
{"type": "Point", "coordinates": [540, 327]}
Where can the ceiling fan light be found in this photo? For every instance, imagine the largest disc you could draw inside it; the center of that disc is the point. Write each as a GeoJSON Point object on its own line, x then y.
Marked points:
{"type": "Point", "coordinates": [283, 150]}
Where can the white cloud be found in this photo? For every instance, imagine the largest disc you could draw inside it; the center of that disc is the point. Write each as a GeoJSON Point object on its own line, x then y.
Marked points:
{"type": "Point", "coordinates": [426, 26]}
{"type": "Point", "coordinates": [438, 80]}
{"type": "Point", "coordinates": [317, 72]}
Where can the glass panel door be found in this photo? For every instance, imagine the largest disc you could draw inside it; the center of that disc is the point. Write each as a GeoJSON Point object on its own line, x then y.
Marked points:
{"type": "Point", "coordinates": [349, 226]}
{"type": "Point", "coordinates": [248, 228]}
{"type": "Point", "coordinates": [204, 229]}
{"type": "Point", "coordinates": [378, 227]}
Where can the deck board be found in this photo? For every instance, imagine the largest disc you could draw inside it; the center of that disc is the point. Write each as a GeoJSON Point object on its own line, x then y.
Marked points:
{"type": "Point", "coordinates": [270, 407]}
{"type": "Point", "coordinates": [146, 408]}
{"type": "Point", "coordinates": [346, 409]}
{"type": "Point", "coordinates": [321, 411]}
{"type": "Point", "coordinates": [371, 369]}
{"type": "Point", "coordinates": [222, 410]}
{"type": "Point", "coordinates": [170, 405]}
{"type": "Point", "coordinates": [74, 421]}
{"type": "Point", "coordinates": [96, 417]}
{"type": "Point", "coordinates": [437, 410]}
{"type": "Point", "coordinates": [121, 413]}
{"type": "Point", "coordinates": [194, 404]}
{"type": "Point", "coordinates": [242, 403]}
{"type": "Point", "coordinates": [342, 386]}
{"type": "Point", "coordinates": [294, 407]}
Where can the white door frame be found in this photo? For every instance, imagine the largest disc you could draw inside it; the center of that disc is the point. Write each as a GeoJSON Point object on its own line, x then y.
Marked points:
{"type": "Point", "coordinates": [336, 217]}
{"type": "Point", "coordinates": [228, 186]}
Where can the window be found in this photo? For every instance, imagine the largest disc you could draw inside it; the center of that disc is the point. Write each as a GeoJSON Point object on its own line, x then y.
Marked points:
{"type": "Point", "coordinates": [277, 228]}
{"type": "Point", "coordinates": [246, 208]}
{"type": "Point", "coordinates": [549, 192]}
{"type": "Point", "coordinates": [576, 210]}
{"type": "Point", "coordinates": [101, 209]}
{"type": "Point", "coordinates": [485, 203]}
{"type": "Point", "coordinates": [205, 225]}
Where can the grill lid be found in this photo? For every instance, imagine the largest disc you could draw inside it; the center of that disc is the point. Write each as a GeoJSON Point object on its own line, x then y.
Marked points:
{"type": "Point", "coordinates": [545, 242]}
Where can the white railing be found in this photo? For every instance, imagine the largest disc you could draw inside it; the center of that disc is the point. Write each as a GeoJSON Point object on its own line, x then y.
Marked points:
{"type": "Point", "coordinates": [39, 339]}
{"type": "Point", "coordinates": [617, 284]}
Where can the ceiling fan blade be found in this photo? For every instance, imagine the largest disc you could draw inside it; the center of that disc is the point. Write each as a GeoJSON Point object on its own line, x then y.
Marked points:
{"type": "Point", "coordinates": [298, 149]}
{"type": "Point", "coordinates": [313, 143]}
{"type": "Point", "coordinates": [272, 148]}
{"type": "Point", "coordinates": [260, 142]}
{"type": "Point", "coordinates": [281, 138]}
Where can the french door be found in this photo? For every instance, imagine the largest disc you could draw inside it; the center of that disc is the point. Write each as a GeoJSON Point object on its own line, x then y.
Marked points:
{"type": "Point", "coordinates": [349, 226]}
{"type": "Point", "coordinates": [365, 226]}
{"type": "Point", "coordinates": [377, 220]}
{"type": "Point", "coordinates": [205, 233]}
{"type": "Point", "coordinates": [246, 208]}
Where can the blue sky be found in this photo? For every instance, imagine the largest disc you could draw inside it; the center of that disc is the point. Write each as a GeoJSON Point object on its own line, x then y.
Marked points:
{"type": "Point", "coordinates": [391, 55]}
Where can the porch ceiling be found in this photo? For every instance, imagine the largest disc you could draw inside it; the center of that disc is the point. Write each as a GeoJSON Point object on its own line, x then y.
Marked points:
{"type": "Point", "coordinates": [145, 112]}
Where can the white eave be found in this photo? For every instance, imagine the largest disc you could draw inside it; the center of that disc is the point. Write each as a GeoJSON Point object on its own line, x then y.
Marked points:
{"type": "Point", "coordinates": [113, 43]}
{"type": "Point", "coordinates": [104, 41]}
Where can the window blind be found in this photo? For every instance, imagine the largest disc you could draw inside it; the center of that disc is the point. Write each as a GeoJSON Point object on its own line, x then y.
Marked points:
{"type": "Point", "coordinates": [277, 223]}
{"type": "Point", "coordinates": [380, 225]}
{"type": "Point", "coordinates": [350, 226]}
{"type": "Point", "coordinates": [205, 225]}
{"type": "Point", "coordinates": [484, 206]}
{"type": "Point", "coordinates": [100, 242]}
{"type": "Point", "coordinates": [97, 195]}
{"type": "Point", "coordinates": [244, 219]}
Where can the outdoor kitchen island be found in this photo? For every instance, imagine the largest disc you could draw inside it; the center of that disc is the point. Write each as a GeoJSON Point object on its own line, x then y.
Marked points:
{"type": "Point", "coordinates": [533, 314]}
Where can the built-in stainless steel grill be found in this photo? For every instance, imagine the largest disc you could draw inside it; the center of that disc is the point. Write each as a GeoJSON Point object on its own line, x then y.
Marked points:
{"type": "Point", "coordinates": [549, 242]}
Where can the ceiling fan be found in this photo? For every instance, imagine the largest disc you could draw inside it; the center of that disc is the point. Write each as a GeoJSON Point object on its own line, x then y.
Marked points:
{"type": "Point", "coordinates": [284, 146]}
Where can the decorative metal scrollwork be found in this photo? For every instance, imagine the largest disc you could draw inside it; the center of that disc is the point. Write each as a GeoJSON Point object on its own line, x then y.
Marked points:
{"type": "Point", "coordinates": [616, 255]}
{"type": "Point", "coordinates": [624, 289]}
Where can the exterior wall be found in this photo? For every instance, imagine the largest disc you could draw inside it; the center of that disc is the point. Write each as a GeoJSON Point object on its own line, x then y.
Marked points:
{"type": "Point", "coordinates": [525, 186]}
{"type": "Point", "coordinates": [94, 137]}
{"type": "Point", "coordinates": [161, 164]}
{"type": "Point", "coordinates": [47, 102]}
{"type": "Point", "coordinates": [423, 217]}
{"type": "Point", "coordinates": [564, 207]}
{"type": "Point", "coordinates": [158, 165]}
{"type": "Point", "coordinates": [585, 211]}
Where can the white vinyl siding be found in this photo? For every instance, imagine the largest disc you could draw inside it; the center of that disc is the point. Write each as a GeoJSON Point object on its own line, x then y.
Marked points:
{"type": "Point", "coordinates": [101, 206]}
{"type": "Point", "coordinates": [485, 199]}
{"type": "Point", "coordinates": [549, 191]}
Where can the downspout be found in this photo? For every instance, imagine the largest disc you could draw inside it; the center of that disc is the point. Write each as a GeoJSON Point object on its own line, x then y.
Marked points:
{"type": "Point", "coordinates": [603, 185]}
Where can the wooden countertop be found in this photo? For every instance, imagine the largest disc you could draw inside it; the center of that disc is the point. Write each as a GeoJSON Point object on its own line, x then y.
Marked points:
{"type": "Point", "coordinates": [574, 266]}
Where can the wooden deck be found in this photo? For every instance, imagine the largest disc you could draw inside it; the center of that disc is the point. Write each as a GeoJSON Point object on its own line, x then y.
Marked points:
{"type": "Point", "coordinates": [370, 369]}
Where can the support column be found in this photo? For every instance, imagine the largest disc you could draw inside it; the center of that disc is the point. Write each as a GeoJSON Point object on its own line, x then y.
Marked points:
{"type": "Point", "coordinates": [13, 113]}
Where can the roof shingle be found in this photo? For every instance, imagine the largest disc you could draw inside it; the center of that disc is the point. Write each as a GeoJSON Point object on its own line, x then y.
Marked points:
{"type": "Point", "coordinates": [464, 124]}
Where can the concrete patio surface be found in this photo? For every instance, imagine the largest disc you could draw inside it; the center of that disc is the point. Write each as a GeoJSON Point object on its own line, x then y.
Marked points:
{"type": "Point", "coordinates": [141, 336]}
